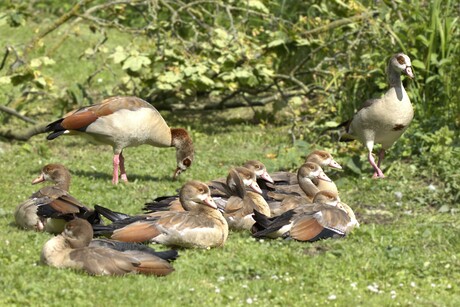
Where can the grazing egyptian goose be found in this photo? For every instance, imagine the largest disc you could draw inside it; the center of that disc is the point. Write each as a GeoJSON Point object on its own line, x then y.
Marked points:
{"type": "Point", "coordinates": [49, 208]}
{"type": "Point", "coordinates": [74, 249]}
{"type": "Point", "coordinates": [125, 122]}
{"type": "Point", "coordinates": [326, 217]}
{"type": "Point", "coordinates": [241, 203]}
{"type": "Point", "coordinates": [202, 225]}
{"type": "Point", "coordinates": [385, 119]}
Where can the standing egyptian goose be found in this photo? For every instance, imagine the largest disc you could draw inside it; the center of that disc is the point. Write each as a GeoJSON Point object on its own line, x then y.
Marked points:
{"type": "Point", "coordinates": [74, 249]}
{"type": "Point", "coordinates": [125, 122]}
{"type": "Point", "coordinates": [201, 226]}
{"type": "Point", "coordinates": [326, 217]}
{"type": "Point", "coordinates": [49, 208]}
{"type": "Point", "coordinates": [385, 119]}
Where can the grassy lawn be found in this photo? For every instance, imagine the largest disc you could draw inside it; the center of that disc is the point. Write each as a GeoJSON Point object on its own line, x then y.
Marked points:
{"type": "Point", "coordinates": [405, 252]}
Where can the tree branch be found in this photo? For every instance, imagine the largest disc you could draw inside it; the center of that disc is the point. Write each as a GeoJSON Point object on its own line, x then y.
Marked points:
{"type": "Point", "coordinates": [15, 113]}
{"type": "Point", "coordinates": [23, 135]}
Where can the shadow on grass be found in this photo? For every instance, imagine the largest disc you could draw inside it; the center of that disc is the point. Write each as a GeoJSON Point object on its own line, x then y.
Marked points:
{"type": "Point", "coordinates": [131, 177]}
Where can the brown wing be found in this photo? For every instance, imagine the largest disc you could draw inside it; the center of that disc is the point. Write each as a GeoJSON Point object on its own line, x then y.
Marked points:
{"type": "Point", "coordinates": [60, 201]}
{"type": "Point", "coordinates": [103, 261]}
{"type": "Point", "coordinates": [149, 264]}
{"type": "Point", "coordinates": [333, 218]}
{"type": "Point", "coordinates": [83, 117]}
{"type": "Point", "coordinates": [140, 231]}
{"type": "Point", "coordinates": [305, 228]}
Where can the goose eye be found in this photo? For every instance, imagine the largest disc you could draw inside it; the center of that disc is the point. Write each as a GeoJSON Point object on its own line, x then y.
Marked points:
{"type": "Point", "coordinates": [401, 60]}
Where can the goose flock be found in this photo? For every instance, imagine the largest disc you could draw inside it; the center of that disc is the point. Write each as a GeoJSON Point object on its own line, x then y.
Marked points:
{"type": "Point", "coordinates": [304, 206]}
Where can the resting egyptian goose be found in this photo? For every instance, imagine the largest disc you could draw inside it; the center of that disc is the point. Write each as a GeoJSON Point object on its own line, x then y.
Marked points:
{"type": "Point", "coordinates": [201, 226]}
{"type": "Point", "coordinates": [125, 122]}
{"type": "Point", "coordinates": [326, 217]}
{"type": "Point", "coordinates": [49, 208]}
{"type": "Point", "coordinates": [385, 119]}
{"type": "Point", "coordinates": [218, 189]}
{"type": "Point", "coordinates": [307, 174]}
{"type": "Point", "coordinates": [74, 249]}
{"type": "Point", "coordinates": [241, 203]}
{"type": "Point", "coordinates": [259, 169]}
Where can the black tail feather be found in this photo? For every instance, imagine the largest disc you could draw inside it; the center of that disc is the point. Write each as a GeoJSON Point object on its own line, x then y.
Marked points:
{"type": "Point", "coordinates": [111, 215]}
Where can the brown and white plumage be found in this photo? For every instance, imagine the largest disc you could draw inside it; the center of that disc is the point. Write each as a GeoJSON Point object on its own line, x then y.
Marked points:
{"type": "Point", "coordinates": [241, 202]}
{"type": "Point", "coordinates": [74, 249]}
{"type": "Point", "coordinates": [308, 174]}
{"type": "Point", "coordinates": [202, 225]}
{"type": "Point", "coordinates": [326, 217]}
{"type": "Point", "coordinates": [50, 207]}
{"type": "Point", "coordinates": [125, 122]}
{"type": "Point", "coordinates": [385, 119]}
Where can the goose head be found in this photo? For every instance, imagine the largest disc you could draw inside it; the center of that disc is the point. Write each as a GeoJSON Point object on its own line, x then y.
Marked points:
{"type": "Point", "coordinates": [194, 194]}
{"type": "Point", "coordinates": [401, 63]}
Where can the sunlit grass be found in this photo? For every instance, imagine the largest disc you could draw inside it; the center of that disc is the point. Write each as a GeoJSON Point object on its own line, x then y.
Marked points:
{"type": "Point", "coordinates": [405, 251]}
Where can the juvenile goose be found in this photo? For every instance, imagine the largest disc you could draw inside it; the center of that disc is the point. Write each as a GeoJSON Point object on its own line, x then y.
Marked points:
{"type": "Point", "coordinates": [305, 186]}
{"type": "Point", "coordinates": [50, 207]}
{"type": "Point", "coordinates": [326, 217]}
{"type": "Point", "coordinates": [202, 225]}
{"type": "Point", "coordinates": [125, 122]}
{"type": "Point", "coordinates": [218, 189]}
{"type": "Point", "coordinates": [241, 203]}
{"type": "Point", "coordinates": [385, 119]}
{"type": "Point", "coordinates": [74, 249]}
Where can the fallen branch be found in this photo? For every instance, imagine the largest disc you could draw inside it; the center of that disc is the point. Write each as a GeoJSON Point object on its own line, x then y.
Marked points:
{"type": "Point", "coordinates": [23, 135]}
{"type": "Point", "coordinates": [15, 113]}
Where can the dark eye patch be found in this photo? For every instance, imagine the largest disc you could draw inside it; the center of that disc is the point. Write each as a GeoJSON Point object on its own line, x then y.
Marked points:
{"type": "Point", "coordinates": [401, 60]}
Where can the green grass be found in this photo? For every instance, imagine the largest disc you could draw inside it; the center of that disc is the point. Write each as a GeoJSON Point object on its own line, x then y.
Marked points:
{"type": "Point", "coordinates": [404, 253]}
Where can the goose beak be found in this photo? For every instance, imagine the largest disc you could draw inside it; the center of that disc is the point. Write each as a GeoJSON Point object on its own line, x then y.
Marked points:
{"type": "Point", "coordinates": [265, 176]}
{"type": "Point", "coordinates": [408, 71]}
{"type": "Point", "coordinates": [323, 176]}
{"type": "Point", "coordinates": [209, 201]}
{"type": "Point", "coordinates": [334, 164]}
{"type": "Point", "coordinates": [177, 172]}
{"type": "Point", "coordinates": [255, 187]}
{"type": "Point", "coordinates": [39, 179]}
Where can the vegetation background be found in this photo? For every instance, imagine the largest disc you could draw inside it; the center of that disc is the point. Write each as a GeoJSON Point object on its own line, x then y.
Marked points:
{"type": "Point", "coordinates": [250, 79]}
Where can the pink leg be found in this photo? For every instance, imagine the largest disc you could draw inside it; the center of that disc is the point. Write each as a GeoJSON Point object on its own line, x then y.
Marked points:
{"type": "Point", "coordinates": [116, 163]}
{"type": "Point", "coordinates": [378, 172]}
{"type": "Point", "coordinates": [124, 177]}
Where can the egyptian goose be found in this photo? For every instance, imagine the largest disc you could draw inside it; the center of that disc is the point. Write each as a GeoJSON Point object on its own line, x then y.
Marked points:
{"type": "Point", "coordinates": [218, 190]}
{"type": "Point", "coordinates": [385, 119]}
{"type": "Point", "coordinates": [201, 226]}
{"type": "Point", "coordinates": [326, 217]}
{"type": "Point", "coordinates": [305, 186]}
{"type": "Point", "coordinates": [49, 208]}
{"type": "Point", "coordinates": [125, 122]}
{"type": "Point", "coordinates": [241, 202]}
{"type": "Point", "coordinates": [74, 249]}
{"type": "Point", "coordinates": [259, 169]}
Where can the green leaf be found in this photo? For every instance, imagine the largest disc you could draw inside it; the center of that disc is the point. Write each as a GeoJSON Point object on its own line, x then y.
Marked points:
{"type": "Point", "coordinates": [258, 5]}
{"type": "Point", "coordinates": [135, 63]}
{"type": "Point", "coordinates": [418, 64]}
{"type": "Point", "coordinates": [170, 77]}
{"type": "Point", "coordinates": [119, 55]}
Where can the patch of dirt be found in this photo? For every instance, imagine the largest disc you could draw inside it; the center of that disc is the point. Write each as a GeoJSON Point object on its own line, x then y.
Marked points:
{"type": "Point", "coordinates": [315, 250]}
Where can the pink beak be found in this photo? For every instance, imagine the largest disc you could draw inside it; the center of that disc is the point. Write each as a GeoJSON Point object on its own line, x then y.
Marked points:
{"type": "Point", "coordinates": [323, 176]}
{"type": "Point", "coordinates": [39, 179]}
{"type": "Point", "coordinates": [177, 172]}
{"type": "Point", "coordinates": [334, 164]}
{"type": "Point", "coordinates": [209, 201]}
{"type": "Point", "coordinates": [409, 72]}
{"type": "Point", "coordinates": [255, 187]}
{"type": "Point", "coordinates": [265, 176]}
